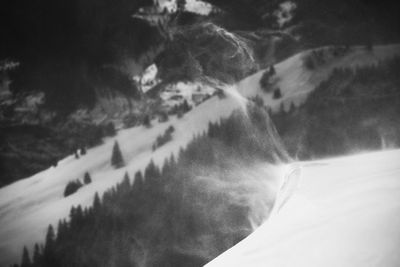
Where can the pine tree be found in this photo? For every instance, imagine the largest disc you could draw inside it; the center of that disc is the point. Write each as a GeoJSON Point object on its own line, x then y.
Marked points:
{"type": "Point", "coordinates": [60, 230]}
{"type": "Point", "coordinates": [83, 150]}
{"type": "Point", "coordinates": [49, 257]}
{"type": "Point", "coordinates": [138, 182]}
{"type": "Point", "coordinates": [125, 185]}
{"type": "Point", "coordinates": [50, 238]}
{"type": "Point", "coordinates": [277, 93]}
{"type": "Point", "coordinates": [26, 261]}
{"type": "Point", "coordinates": [96, 202]}
{"type": "Point", "coordinates": [146, 121]}
{"type": "Point", "coordinates": [116, 159]}
{"type": "Point", "coordinates": [272, 70]}
{"type": "Point", "coordinates": [72, 187]}
{"type": "Point", "coordinates": [36, 256]}
{"type": "Point", "coordinates": [265, 83]}
{"type": "Point", "coordinates": [126, 182]}
{"type": "Point", "coordinates": [185, 106]}
{"type": "Point", "coordinates": [87, 179]}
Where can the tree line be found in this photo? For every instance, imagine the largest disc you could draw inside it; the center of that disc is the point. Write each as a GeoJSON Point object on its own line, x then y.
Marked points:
{"type": "Point", "coordinates": [355, 109]}
{"type": "Point", "coordinates": [164, 216]}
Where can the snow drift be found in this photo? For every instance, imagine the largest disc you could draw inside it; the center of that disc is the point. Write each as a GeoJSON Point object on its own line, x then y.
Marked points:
{"type": "Point", "coordinates": [28, 206]}
{"type": "Point", "coordinates": [343, 212]}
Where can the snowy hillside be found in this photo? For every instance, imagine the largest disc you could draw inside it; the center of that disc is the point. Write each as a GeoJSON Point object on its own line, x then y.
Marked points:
{"type": "Point", "coordinates": [296, 81]}
{"type": "Point", "coordinates": [344, 212]}
{"type": "Point", "coordinates": [27, 207]}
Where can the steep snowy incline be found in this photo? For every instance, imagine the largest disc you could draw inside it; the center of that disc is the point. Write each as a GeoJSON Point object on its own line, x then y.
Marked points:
{"type": "Point", "coordinates": [296, 81]}
{"type": "Point", "coordinates": [27, 207]}
{"type": "Point", "coordinates": [344, 212]}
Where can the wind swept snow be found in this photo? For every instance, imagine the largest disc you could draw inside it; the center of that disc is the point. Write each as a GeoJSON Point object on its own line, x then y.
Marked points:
{"type": "Point", "coordinates": [295, 81]}
{"type": "Point", "coordinates": [360, 204]}
{"type": "Point", "coordinates": [345, 212]}
{"type": "Point", "coordinates": [28, 206]}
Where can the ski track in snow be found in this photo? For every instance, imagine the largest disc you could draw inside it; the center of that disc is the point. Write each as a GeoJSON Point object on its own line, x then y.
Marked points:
{"type": "Point", "coordinates": [345, 212]}
{"type": "Point", "coordinates": [28, 206]}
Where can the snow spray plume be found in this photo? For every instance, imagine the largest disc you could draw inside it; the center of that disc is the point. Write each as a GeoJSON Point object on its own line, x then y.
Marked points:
{"type": "Point", "coordinates": [226, 185]}
{"type": "Point", "coordinates": [224, 200]}
{"type": "Point", "coordinates": [222, 188]}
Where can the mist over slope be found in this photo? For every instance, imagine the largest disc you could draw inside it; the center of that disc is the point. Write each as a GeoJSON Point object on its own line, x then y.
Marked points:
{"type": "Point", "coordinates": [30, 200]}
{"type": "Point", "coordinates": [27, 201]}
{"type": "Point", "coordinates": [344, 212]}
{"type": "Point", "coordinates": [175, 169]}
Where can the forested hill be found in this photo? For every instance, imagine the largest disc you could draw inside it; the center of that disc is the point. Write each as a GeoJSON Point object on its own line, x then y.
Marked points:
{"type": "Point", "coordinates": [70, 49]}
{"type": "Point", "coordinates": [62, 47]}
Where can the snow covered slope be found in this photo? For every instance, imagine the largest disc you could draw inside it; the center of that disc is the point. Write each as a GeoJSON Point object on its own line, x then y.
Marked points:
{"type": "Point", "coordinates": [295, 81]}
{"type": "Point", "coordinates": [28, 206]}
{"type": "Point", "coordinates": [344, 212]}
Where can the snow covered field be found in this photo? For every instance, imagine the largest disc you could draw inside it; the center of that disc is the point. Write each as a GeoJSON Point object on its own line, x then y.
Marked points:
{"type": "Point", "coordinates": [344, 212]}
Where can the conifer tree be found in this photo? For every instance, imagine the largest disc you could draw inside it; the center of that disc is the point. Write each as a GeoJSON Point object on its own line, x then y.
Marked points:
{"type": "Point", "coordinates": [272, 70]}
{"type": "Point", "coordinates": [87, 179]}
{"type": "Point", "coordinates": [50, 238]}
{"type": "Point", "coordinates": [185, 106]}
{"type": "Point", "coordinates": [36, 256]}
{"type": "Point", "coordinates": [138, 182]}
{"type": "Point", "coordinates": [116, 158]}
{"type": "Point", "coordinates": [72, 187]}
{"type": "Point", "coordinates": [147, 121]}
{"type": "Point", "coordinates": [26, 261]}
{"type": "Point", "coordinates": [83, 150]}
{"type": "Point", "coordinates": [277, 93]}
{"type": "Point", "coordinates": [265, 83]}
{"type": "Point", "coordinates": [126, 183]}
{"type": "Point", "coordinates": [96, 202]}
{"type": "Point", "coordinates": [60, 230]}
{"type": "Point", "coordinates": [49, 257]}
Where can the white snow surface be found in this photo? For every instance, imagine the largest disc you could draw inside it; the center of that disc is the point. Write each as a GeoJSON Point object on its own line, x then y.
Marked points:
{"type": "Point", "coordinates": [343, 212]}
{"type": "Point", "coordinates": [185, 91]}
{"type": "Point", "coordinates": [296, 82]}
{"type": "Point", "coordinates": [28, 206]}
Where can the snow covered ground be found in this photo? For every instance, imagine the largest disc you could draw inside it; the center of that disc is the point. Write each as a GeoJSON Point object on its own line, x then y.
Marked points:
{"type": "Point", "coordinates": [28, 206]}
{"type": "Point", "coordinates": [343, 212]}
{"type": "Point", "coordinates": [295, 81]}
{"type": "Point", "coordinates": [175, 94]}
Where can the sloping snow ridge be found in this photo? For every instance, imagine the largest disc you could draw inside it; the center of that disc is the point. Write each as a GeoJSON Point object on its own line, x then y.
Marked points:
{"type": "Point", "coordinates": [344, 212]}
{"type": "Point", "coordinates": [296, 81]}
{"type": "Point", "coordinates": [28, 206]}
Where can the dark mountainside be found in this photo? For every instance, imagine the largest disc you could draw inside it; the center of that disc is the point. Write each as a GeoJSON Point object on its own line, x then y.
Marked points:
{"type": "Point", "coordinates": [77, 51]}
